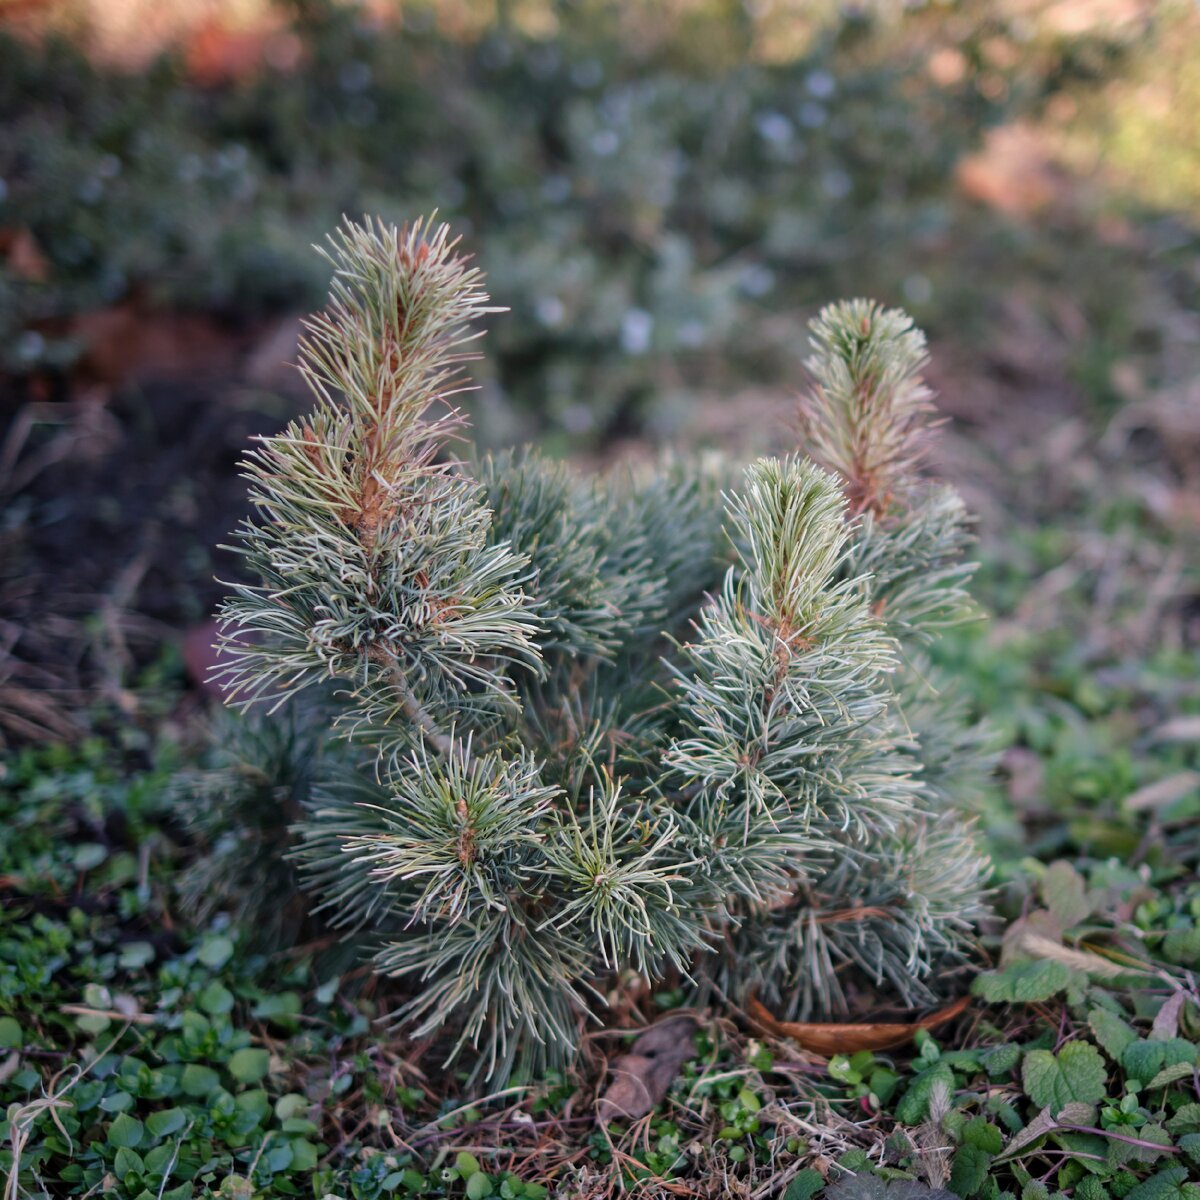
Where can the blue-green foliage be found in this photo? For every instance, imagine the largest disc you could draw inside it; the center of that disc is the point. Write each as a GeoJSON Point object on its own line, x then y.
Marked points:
{"type": "Point", "coordinates": [605, 724]}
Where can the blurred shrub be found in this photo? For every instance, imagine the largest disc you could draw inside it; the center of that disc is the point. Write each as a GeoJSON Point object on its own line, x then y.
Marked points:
{"type": "Point", "coordinates": [643, 200]}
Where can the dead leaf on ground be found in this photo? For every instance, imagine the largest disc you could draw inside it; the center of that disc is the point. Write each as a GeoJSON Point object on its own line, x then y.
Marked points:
{"type": "Point", "coordinates": [132, 341]}
{"type": "Point", "coordinates": [641, 1077]}
{"type": "Point", "coordinates": [829, 1039]}
{"type": "Point", "coordinates": [23, 256]}
{"type": "Point", "coordinates": [1163, 792]}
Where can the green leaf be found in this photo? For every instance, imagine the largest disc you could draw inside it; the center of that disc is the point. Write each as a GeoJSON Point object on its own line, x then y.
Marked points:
{"type": "Point", "coordinates": [216, 999]}
{"type": "Point", "coordinates": [11, 1037]}
{"type": "Point", "coordinates": [970, 1170]}
{"type": "Point", "coordinates": [88, 856]}
{"type": "Point", "coordinates": [1090, 1188]}
{"type": "Point", "coordinates": [1027, 983]}
{"type": "Point", "coordinates": [125, 1131]}
{"type": "Point", "coordinates": [1113, 1034]}
{"type": "Point", "coordinates": [293, 1104]}
{"type": "Point", "coordinates": [304, 1155]}
{"type": "Point", "coordinates": [170, 1120]}
{"type": "Point", "coordinates": [135, 955]}
{"type": "Point", "coordinates": [1167, 1184]}
{"type": "Point", "coordinates": [914, 1106]}
{"type": "Point", "coordinates": [1190, 1145]}
{"type": "Point", "coordinates": [198, 1081]}
{"type": "Point", "coordinates": [1186, 1119]}
{"type": "Point", "coordinates": [1000, 1060]}
{"type": "Point", "coordinates": [127, 1162]}
{"type": "Point", "coordinates": [867, 1186]}
{"type": "Point", "coordinates": [1182, 946]}
{"type": "Point", "coordinates": [1144, 1058]}
{"type": "Point", "coordinates": [1076, 1073]}
{"type": "Point", "coordinates": [478, 1186]}
{"type": "Point", "coordinates": [1171, 1074]}
{"type": "Point", "coordinates": [280, 1008]}
{"type": "Point", "coordinates": [215, 952]}
{"type": "Point", "coordinates": [1065, 895]}
{"type": "Point", "coordinates": [255, 1102]}
{"type": "Point", "coordinates": [466, 1164]}
{"type": "Point", "coordinates": [249, 1064]}
{"type": "Point", "coordinates": [982, 1133]}
{"type": "Point", "coordinates": [806, 1185]}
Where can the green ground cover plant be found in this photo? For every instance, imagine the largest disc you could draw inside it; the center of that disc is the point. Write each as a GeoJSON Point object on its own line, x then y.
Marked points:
{"type": "Point", "coordinates": [145, 1057]}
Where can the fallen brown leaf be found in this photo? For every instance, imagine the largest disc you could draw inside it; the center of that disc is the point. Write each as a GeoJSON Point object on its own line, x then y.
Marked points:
{"type": "Point", "coordinates": [23, 256]}
{"type": "Point", "coordinates": [829, 1039]}
{"type": "Point", "coordinates": [641, 1077]}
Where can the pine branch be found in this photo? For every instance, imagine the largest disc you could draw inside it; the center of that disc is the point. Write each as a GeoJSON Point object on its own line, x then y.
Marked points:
{"type": "Point", "coordinates": [540, 788]}
{"type": "Point", "coordinates": [865, 417]}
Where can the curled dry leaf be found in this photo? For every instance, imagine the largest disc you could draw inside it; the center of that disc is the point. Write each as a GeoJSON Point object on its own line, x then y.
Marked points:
{"type": "Point", "coordinates": [641, 1077]}
{"type": "Point", "coordinates": [829, 1039]}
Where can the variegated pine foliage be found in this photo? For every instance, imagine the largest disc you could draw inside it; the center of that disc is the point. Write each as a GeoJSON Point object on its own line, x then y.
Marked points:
{"type": "Point", "coordinates": [672, 721]}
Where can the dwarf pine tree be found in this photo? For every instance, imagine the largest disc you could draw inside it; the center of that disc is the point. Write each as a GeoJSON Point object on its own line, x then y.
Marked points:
{"type": "Point", "coordinates": [676, 720]}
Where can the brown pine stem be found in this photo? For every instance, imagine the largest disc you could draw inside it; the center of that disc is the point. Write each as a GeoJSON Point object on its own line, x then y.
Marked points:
{"type": "Point", "coordinates": [412, 707]}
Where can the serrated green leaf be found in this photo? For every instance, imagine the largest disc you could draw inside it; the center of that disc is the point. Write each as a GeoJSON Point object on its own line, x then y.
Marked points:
{"type": "Point", "coordinates": [867, 1186]}
{"type": "Point", "coordinates": [1182, 947]}
{"type": "Point", "coordinates": [1027, 983]}
{"type": "Point", "coordinates": [1075, 1073]}
{"type": "Point", "coordinates": [11, 1037]}
{"type": "Point", "coordinates": [1166, 1184]}
{"type": "Point", "coordinates": [914, 1105]}
{"type": "Point", "coordinates": [1144, 1058]}
{"type": "Point", "coordinates": [806, 1185]}
{"type": "Point", "coordinates": [1171, 1074]}
{"type": "Point", "coordinates": [1090, 1188]}
{"type": "Point", "coordinates": [1000, 1060]}
{"type": "Point", "coordinates": [982, 1133]}
{"type": "Point", "coordinates": [1151, 1133]}
{"type": "Point", "coordinates": [1065, 895]}
{"type": "Point", "coordinates": [1113, 1034]}
{"type": "Point", "coordinates": [969, 1172]}
{"type": "Point", "coordinates": [1186, 1119]}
